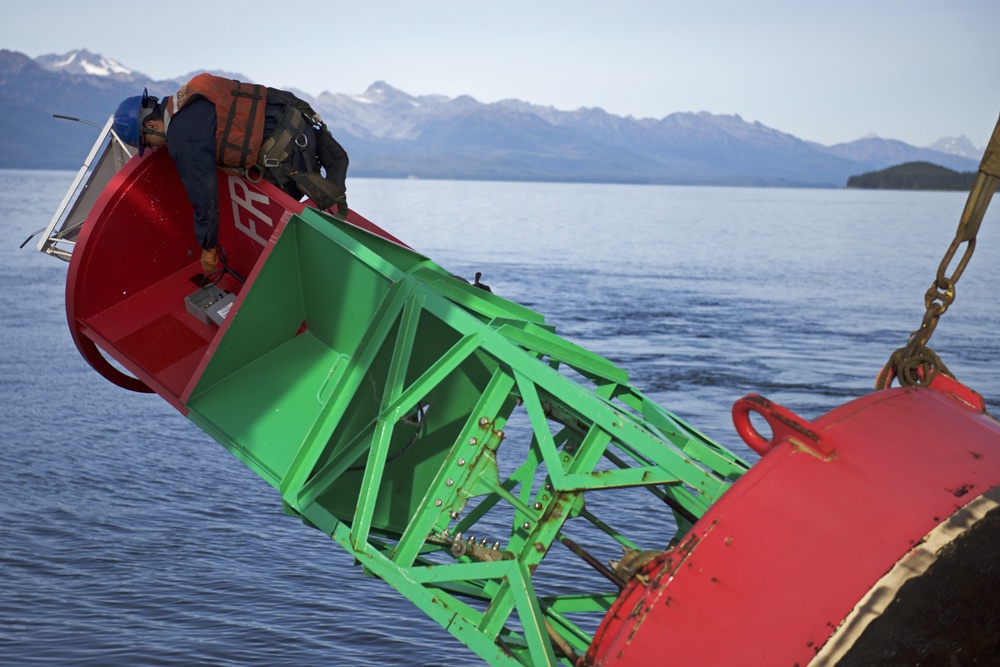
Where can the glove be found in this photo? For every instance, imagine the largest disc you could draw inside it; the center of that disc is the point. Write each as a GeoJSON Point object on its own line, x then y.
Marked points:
{"type": "Point", "coordinates": [210, 261]}
{"type": "Point", "coordinates": [341, 204]}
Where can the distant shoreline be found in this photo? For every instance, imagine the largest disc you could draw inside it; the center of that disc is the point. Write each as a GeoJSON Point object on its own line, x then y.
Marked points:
{"type": "Point", "coordinates": [899, 177]}
{"type": "Point", "coordinates": [913, 176]}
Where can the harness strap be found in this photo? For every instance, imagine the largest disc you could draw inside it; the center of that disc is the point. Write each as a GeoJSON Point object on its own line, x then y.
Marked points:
{"type": "Point", "coordinates": [290, 126]}
{"type": "Point", "coordinates": [317, 188]}
{"type": "Point", "coordinates": [286, 160]}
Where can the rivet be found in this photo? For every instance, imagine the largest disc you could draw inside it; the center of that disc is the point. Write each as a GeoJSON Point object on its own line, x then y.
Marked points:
{"type": "Point", "coordinates": [461, 462]}
{"type": "Point", "coordinates": [472, 441]}
{"type": "Point", "coordinates": [483, 421]}
{"type": "Point", "coordinates": [449, 482]}
{"type": "Point", "coordinates": [437, 503]}
{"type": "Point", "coordinates": [538, 506]}
{"type": "Point", "coordinates": [526, 525]}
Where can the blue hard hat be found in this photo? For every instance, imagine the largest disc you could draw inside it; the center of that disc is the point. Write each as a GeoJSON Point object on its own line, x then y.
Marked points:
{"type": "Point", "coordinates": [129, 117]}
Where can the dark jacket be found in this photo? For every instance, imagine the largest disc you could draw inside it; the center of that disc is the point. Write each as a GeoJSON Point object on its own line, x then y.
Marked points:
{"type": "Point", "coordinates": [191, 142]}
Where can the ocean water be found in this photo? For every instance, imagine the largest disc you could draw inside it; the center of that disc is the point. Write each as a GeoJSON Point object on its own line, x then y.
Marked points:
{"type": "Point", "coordinates": [128, 537]}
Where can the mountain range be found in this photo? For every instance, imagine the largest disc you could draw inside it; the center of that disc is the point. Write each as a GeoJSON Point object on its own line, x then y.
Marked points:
{"type": "Point", "coordinates": [389, 133]}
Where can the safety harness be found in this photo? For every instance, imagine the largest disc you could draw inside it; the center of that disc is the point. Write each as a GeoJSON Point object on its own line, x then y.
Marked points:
{"type": "Point", "coordinates": [287, 156]}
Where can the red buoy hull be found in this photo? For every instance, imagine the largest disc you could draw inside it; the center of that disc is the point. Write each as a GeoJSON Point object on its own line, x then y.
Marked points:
{"type": "Point", "coordinates": [812, 547]}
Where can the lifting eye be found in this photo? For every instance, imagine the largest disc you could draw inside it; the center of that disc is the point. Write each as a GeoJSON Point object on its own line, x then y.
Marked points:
{"type": "Point", "coordinates": [784, 424]}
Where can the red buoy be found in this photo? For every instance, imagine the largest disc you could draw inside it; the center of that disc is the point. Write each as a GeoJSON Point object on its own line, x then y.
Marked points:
{"type": "Point", "coordinates": [867, 536]}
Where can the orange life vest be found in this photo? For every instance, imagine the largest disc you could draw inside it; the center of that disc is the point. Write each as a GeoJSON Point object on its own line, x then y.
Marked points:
{"type": "Point", "coordinates": [239, 112]}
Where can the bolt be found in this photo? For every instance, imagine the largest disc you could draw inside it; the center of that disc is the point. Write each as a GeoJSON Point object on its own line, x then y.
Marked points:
{"type": "Point", "coordinates": [496, 546]}
{"type": "Point", "coordinates": [483, 421]}
{"type": "Point", "coordinates": [453, 514]}
{"type": "Point", "coordinates": [501, 435]}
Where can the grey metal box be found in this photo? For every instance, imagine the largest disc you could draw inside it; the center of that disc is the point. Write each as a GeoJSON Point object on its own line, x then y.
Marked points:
{"type": "Point", "coordinates": [209, 304]}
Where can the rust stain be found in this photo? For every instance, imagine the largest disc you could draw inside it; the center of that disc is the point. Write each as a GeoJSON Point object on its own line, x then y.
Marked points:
{"type": "Point", "coordinates": [961, 491]}
{"type": "Point", "coordinates": [806, 449]}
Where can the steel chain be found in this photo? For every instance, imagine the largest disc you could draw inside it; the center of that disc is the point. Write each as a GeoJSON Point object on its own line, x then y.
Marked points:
{"type": "Point", "coordinates": [941, 294]}
{"type": "Point", "coordinates": [915, 363]}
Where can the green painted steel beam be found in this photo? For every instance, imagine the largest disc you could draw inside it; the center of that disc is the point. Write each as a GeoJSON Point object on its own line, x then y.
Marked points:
{"type": "Point", "coordinates": [400, 410]}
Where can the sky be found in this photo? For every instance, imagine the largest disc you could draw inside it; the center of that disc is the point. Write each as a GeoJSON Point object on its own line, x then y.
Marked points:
{"type": "Point", "coordinates": [830, 72]}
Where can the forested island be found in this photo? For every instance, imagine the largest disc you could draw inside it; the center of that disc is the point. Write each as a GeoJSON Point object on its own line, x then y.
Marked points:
{"type": "Point", "coordinates": [913, 176]}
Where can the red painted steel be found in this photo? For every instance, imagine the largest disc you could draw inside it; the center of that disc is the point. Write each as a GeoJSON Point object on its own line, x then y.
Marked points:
{"type": "Point", "coordinates": [775, 566]}
{"type": "Point", "coordinates": [136, 260]}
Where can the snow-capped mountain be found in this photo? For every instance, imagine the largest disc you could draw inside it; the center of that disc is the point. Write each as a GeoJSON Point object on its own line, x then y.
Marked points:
{"type": "Point", "coordinates": [957, 146]}
{"type": "Point", "coordinates": [83, 62]}
{"type": "Point", "coordinates": [390, 133]}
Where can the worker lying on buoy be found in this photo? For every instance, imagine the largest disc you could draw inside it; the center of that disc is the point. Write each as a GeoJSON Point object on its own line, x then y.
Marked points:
{"type": "Point", "coordinates": [247, 128]}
